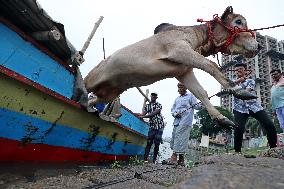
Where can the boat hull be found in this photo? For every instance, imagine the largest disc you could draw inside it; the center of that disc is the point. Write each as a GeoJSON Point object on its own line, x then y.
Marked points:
{"type": "Point", "coordinates": [38, 127]}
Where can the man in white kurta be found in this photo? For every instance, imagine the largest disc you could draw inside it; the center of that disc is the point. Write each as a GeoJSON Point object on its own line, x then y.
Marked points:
{"type": "Point", "coordinates": [182, 110]}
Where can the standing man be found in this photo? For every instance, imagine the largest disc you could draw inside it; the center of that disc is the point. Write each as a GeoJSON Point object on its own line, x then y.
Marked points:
{"type": "Point", "coordinates": [152, 111]}
{"type": "Point", "coordinates": [277, 96]}
{"type": "Point", "coordinates": [243, 109]}
{"type": "Point", "coordinates": [182, 111]}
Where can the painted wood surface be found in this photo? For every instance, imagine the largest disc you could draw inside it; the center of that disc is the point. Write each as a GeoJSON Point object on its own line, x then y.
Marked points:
{"type": "Point", "coordinates": [132, 122]}
{"type": "Point", "coordinates": [24, 58]}
{"type": "Point", "coordinates": [32, 118]}
{"type": "Point", "coordinates": [15, 151]}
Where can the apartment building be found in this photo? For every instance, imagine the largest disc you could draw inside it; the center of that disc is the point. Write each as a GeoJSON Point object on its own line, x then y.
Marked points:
{"type": "Point", "coordinates": [270, 57]}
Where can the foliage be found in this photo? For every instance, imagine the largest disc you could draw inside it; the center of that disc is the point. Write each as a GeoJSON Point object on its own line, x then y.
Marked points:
{"type": "Point", "coordinates": [189, 164]}
{"type": "Point", "coordinates": [277, 125]}
{"type": "Point", "coordinates": [133, 160]}
{"type": "Point", "coordinates": [274, 118]}
{"type": "Point", "coordinates": [115, 165]}
{"type": "Point", "coordinates": [195, 132]}
{"type": "Point", "coordinates": [210, 126]}
{"type": "Point", "coordinates": [254, 127]}
{"type": "Point", "coordinates": [252, 151]}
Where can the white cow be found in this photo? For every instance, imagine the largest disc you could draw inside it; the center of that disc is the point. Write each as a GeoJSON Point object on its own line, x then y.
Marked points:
{"type": "Point", "coordinates": [173, 51]}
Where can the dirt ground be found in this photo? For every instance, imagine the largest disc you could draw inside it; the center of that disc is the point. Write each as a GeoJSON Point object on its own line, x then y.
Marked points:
{"type": "Point", "coordinates": [217, 171]}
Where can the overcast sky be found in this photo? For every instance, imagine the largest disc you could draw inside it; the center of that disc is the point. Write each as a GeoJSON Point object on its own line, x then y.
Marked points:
{"type": "Point", "coordinates": [128, 21]}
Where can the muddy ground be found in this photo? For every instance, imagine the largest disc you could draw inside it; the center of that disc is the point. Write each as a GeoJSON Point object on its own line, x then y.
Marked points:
{"type": "Point", "coordinates": [217, 171]}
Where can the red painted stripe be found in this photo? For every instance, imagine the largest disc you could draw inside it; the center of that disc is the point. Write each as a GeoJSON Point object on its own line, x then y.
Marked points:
{"type": "Point", "coordinates": [27, 81]}
{"type": "Point", "coordinates": [35, 43]}
{"type": "Point", "coordinates": [15, 151]}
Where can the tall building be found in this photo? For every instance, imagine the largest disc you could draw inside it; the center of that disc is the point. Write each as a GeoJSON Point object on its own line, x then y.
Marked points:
{"type": "Point", "coordinates": [270, 57]}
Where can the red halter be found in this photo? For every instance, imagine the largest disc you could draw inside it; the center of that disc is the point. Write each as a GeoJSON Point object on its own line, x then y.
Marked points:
{"type": "Point", "coordinates": [234, 31]}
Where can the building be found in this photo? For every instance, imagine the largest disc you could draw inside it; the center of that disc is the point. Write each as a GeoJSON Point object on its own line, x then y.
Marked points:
{"type": "Point", "coordinates": [270, 57]}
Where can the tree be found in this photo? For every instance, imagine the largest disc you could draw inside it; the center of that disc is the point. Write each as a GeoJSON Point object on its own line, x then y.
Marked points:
{"type": "Point", "coordinates": [195, 132]}
{"type": "Point", "coordinates": [274, 118]}
{"type": "Point", "coordinates": [254, 127]}
{"type": "Point", "coordinates": [277, 125]}
{"type": "Point", "coordinates": [210, 126]}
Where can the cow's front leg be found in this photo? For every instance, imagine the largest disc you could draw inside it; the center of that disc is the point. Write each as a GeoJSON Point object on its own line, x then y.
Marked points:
{"type": "Point", "coordinates": [181, 52]}
{"type": "Point", "coordinates": [193, 86]}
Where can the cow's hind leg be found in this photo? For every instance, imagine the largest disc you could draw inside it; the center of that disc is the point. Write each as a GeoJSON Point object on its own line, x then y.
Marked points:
{"type": "Point", "coordinates": [197, 90]}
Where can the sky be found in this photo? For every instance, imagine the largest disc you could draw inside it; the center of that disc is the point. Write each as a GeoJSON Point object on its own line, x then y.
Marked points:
{"type": "Point", "coordinates": [128, 21]}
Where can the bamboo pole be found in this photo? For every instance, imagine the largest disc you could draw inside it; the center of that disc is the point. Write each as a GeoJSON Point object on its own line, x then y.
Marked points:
{"type": "Point", "coordinates": [87, 43]}
{"type": "Point", "coordinates": [145, 96]}
{"type": "Point", "coordinates": [145, 100]}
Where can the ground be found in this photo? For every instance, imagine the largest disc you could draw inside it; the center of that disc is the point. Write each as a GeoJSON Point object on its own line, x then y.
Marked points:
{"type": "Point", "coordinates": [216, 171]}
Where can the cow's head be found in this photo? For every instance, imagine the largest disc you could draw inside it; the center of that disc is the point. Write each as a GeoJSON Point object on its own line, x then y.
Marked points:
{"type": "Point", "coordinates": [233, 36]}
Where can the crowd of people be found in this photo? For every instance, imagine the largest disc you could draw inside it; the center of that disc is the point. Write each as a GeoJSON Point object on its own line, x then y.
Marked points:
{"type": "Point", "coordinates": [183, 110]}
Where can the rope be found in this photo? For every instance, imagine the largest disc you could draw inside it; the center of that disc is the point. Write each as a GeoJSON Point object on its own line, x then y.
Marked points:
{"type": "Point", "coordinates": [270, 27]}
{"type": "Point", "coordinates": [135, 176]}
{"type": "Point", "coordinates": [234, 31]}
{"type": "Point", "coordinates": [219, 94]}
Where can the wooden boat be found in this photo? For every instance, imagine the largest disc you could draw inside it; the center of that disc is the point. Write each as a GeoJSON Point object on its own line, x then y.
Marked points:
{"type": "Point", "coordinates": [39, 121]}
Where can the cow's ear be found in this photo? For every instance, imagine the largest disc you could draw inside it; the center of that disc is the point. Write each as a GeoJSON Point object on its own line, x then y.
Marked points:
{"type": "Point", "coordinates": [229, 10]}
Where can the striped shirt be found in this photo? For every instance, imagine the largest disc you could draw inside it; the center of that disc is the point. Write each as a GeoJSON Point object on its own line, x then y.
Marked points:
{"type": "Point", "coordinates": [155, 122]}
{"type": "Point", "coordinates": [244, 106]}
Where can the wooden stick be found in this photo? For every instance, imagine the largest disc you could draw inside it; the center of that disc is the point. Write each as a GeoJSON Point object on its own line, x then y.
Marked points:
{"type": "Point", "coordinates": [104, 48]}
{"type": "Point", "coordinates": [145, 100]}
{"type": "Point", "coordinates": [145, 96]}
{"type": "Point", "coordinates": [87, 43]}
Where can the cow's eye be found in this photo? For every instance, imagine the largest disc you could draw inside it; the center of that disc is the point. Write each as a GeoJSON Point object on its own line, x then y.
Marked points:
{"type": "Point", "coordinates": [239, 22]}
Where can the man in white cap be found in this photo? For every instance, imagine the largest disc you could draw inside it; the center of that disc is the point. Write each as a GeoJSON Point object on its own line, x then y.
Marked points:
{"type": "Point", "coordinates": [152, 111]}
{"type": "Point", "coordinates": [182, 110]}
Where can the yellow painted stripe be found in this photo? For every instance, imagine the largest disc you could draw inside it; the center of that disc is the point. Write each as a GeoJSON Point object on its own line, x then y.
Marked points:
{"type": "Point", "coordinates": [24, 99]}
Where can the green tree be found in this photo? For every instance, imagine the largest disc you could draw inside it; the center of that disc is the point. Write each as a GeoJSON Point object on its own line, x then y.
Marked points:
{"type": "Point", "coordinates": [277, 125]}
{"type": "Point", "coordinates": [195, 132]}
{"type": "Point", "coordinates": [254, 127]}
{"type": "Point", "coordinates": [210, 126]}
{"type": "Point", "coordinates": [274, 118]}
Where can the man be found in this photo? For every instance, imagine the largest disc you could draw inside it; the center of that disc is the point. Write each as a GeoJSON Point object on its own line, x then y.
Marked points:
{"type": "Point", "coordinates": [243, 109]}
{"type": "Point", "coordinates": [182, 111]}
{"type": "Point", "coordinates": [277, 96]}
{"type": "Point", "coordinates": [152, 111]}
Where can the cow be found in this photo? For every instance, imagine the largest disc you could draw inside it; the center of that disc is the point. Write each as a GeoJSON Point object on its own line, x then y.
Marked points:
{"type": "Point", "coordinates": [173, 51]}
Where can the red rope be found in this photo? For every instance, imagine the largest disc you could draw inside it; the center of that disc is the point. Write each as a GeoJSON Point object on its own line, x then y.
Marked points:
{"type": "Point", "coordinates": [234, 31]}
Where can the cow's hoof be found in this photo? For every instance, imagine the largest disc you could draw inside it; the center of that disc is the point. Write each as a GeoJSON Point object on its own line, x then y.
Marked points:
{"type": "Point", "coordinates": [242, 94]}
{"type": "Point", "coordinates": [225, 122]}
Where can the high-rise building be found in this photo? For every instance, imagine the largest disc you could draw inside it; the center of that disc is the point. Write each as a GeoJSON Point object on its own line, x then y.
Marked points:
{"type": "Point", "coordinates": [259, 67]}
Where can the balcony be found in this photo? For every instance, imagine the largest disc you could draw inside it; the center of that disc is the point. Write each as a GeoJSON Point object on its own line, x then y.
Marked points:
{"type": "Point", "coordinates": [275, 55]}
